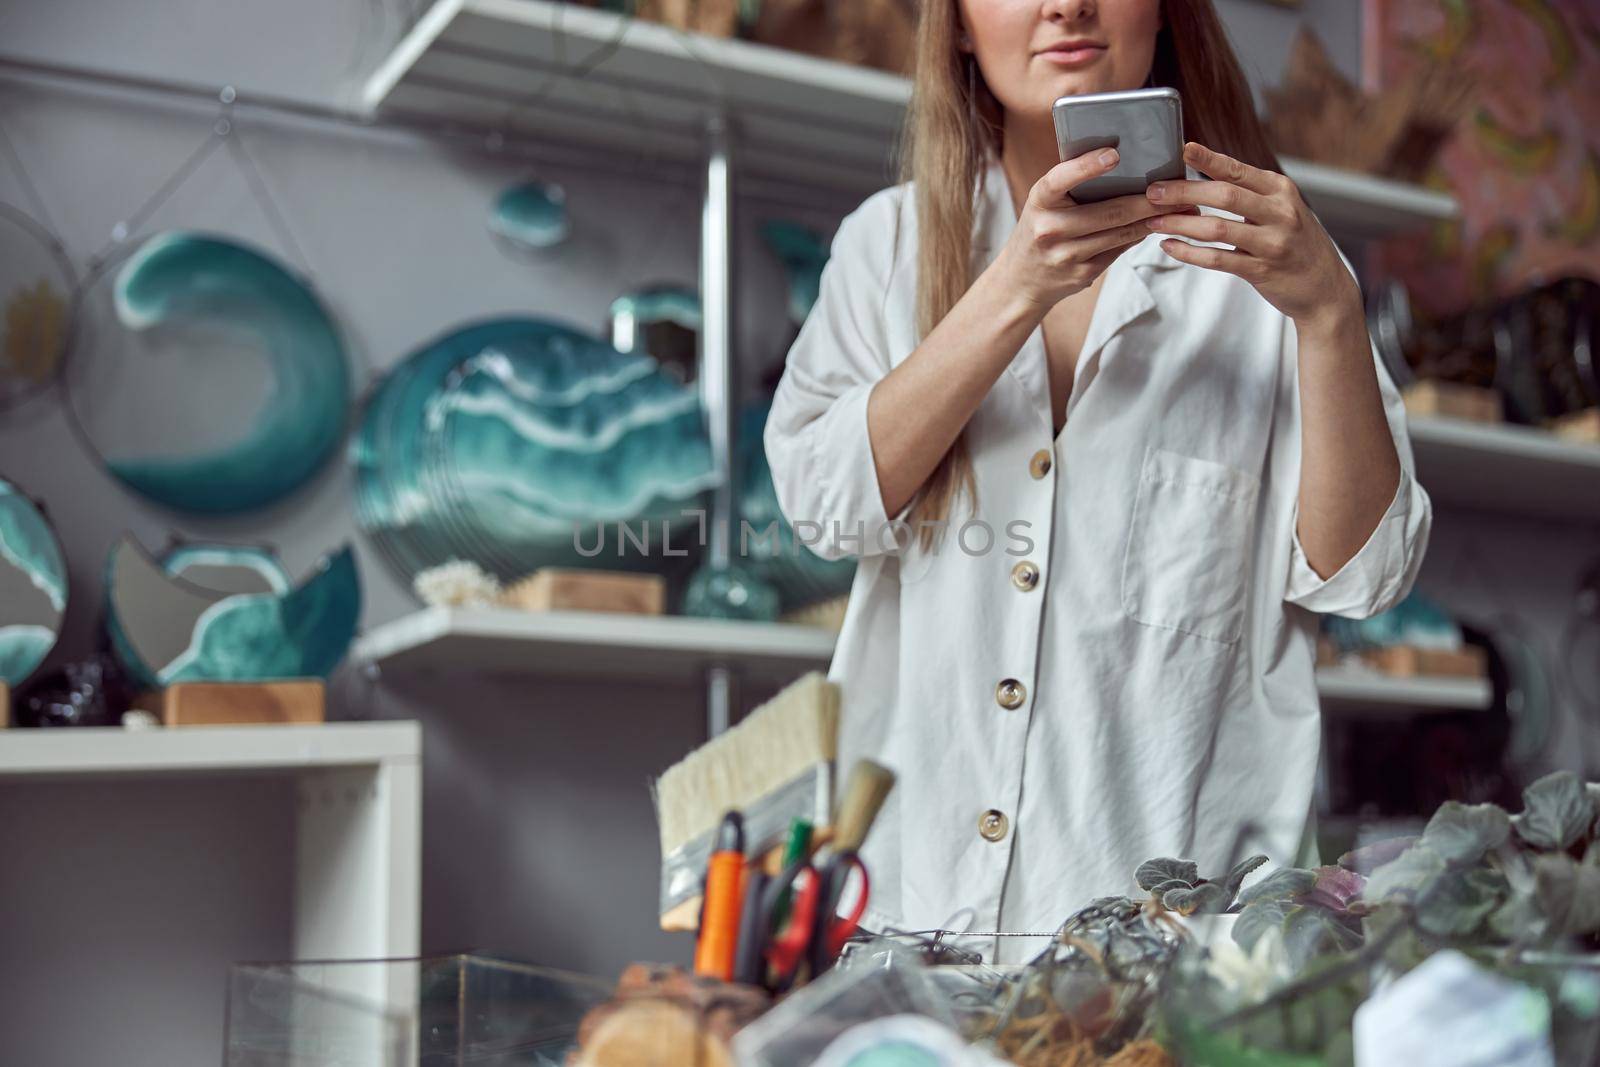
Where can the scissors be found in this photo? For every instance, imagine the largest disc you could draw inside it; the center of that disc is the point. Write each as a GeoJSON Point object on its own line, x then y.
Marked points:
{"type": "Point", "coordinates": [813, 932]}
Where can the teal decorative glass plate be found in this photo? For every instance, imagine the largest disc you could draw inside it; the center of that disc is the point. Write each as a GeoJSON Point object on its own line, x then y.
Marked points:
{"type": "Point", "coordinates": [205, 375]}
{"type": "Point", "coordinates": [33, 586]}
{"type": "Point", "coordinates": [500, 441]}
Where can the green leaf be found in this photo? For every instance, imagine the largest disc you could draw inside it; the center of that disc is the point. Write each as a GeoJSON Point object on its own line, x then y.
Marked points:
{"type": "Point", "coordinates": [1172, 883]}
{"type": "Point", "coordinates": [1462, 833]}
{"type": "Point", "coordinates": [1240, 872]}
{"type": "Point", "coordinates": [1310, 932]}
{"type": "Point", "coordinates": [1281, 884]}
{"type": "Point", "coordinates": [1152, 873]}
{"type": "Point", "coordinates": [1461, 901]}
{"type": "Point", "coordinates": [1409, 875]}
{"type": "Point", "coordinates": [1256, 919]}
{"type": "Point", "coordinates": [1557, 812]}
{"type": "Point", "coordinates": [1205, 898]}
{"type": "Point", "coordinates": [1569, 894]}
{"type": "Point", "coordinates": [1518, 918]}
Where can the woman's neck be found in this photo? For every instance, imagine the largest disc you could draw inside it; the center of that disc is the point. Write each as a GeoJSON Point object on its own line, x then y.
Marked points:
{"type": "Point", "coordinates": [1030, 151]}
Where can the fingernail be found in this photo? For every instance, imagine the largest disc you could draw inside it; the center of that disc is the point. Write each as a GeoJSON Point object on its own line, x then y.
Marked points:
{"type": "Point", "coordinates": [1155, 223]}
{"type": "Point", "coordinates": [1155, 192]}
{"type": "Point", "coordinates": [1108, 157]}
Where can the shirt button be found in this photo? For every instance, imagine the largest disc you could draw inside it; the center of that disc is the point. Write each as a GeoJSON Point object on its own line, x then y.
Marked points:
{"type": "Point", "coordinates": [1025, 575]}
{"type": "Point", "coordinates": [1010, 693]}
{"type": "Point", "coordinates": [993, 825]}
{"type": "Point", "coordinates": [1039, 465]}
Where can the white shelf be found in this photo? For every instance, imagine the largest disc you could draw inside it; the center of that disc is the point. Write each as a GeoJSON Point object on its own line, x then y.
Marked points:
{"type": "Point", "coordinates": [1350, 688]}
{"type": "Point", "coordinates": [1507, 469]}
{"type": "Point", "coordinates": [112, 750]}
{"type": "Point", "coordinates": [675, 649]}
{"type": "Point", "coordinates": [581, 644]}
{"type": "Point", "coordinates": [593, 76]}
{"type": "Point", "coordinates": [358, 806]}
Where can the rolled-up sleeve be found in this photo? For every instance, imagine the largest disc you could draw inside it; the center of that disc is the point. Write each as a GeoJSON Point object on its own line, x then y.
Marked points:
{"type": "Point", "coordinates": [1385, 568]}
{"type": "Point", "coordinates": [816, 436]}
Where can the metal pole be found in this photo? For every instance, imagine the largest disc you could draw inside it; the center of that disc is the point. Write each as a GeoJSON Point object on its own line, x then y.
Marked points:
{"type": "Point", "coordinates": [718, 383]}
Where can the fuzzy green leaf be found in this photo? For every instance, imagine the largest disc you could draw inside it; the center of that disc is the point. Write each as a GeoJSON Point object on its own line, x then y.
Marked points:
{"type": "Point", "coordinates": [1461, 901]}
{"type": "Point", "coordinates": [1462, 833]}
{"type": "Point", "coordinates": [1310, 932]}
{"type": "Point", "coordinates": [1236, 877]}
{"type": "Point", "coordinates": [1408, 875]}
{"type": "Point", "coordinates": [1160, 891]}
{"type": "Point", "coordinates": [1519, 918]}
{"type": "Point", "coordinates": [1569, 894]}
{"type": "Point", "coordinates": [1557, 812]}
{"type": "Point", "coordinates": [1281, 884]}
{"type": "Point", "coordinates": [1203, 899]}
{"type": "Point", "coordinates": [1152, 873]}
{"type": "Point", "coordinates": [1256, 919]}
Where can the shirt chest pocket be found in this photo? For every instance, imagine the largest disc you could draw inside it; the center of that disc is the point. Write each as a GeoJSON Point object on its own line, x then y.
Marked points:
{"type": "Point", "coordinates": [1185, 565]}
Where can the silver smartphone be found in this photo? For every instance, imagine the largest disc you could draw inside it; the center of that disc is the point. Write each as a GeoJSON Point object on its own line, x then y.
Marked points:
{"type": "Point", "coordinates": [1145, 126]}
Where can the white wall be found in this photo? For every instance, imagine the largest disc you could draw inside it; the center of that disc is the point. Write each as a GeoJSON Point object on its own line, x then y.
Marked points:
{"type": "Point", "coordinates": [539, 839]}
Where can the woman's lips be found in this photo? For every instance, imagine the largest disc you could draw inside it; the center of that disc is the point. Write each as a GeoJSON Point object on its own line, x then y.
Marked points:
{"type": "Point", "coordinates": [1074, 57]}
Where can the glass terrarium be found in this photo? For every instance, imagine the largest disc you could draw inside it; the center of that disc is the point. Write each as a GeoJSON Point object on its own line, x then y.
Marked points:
{"type": "Point", "coordinates": [431, 1012]}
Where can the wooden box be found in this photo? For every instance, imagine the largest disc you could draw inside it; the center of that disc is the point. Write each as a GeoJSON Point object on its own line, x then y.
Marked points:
{"type": "Point", "coordinates": [568, 589]}
{"type": "Point", "coordinates": [1453, 400]}
{"type": "Point", "coordinates": [1579, 426]}
{"type": "Point", "coordinates": [300, 700]}
{"type": "Point", "coordinates": [1469, 661]}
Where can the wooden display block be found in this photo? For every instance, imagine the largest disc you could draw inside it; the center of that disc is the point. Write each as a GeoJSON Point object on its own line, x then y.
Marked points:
{"type": "Point", "coordinates": [300, 700]}
{"type": "Point", "coordinates": [1469, 661]}
{"type": "Point", "coordinates": [1452, 400]}
{"type": "Point", "coordinates": [1579, 426]}
{"type": "Point", "coordinates": [569, 589]}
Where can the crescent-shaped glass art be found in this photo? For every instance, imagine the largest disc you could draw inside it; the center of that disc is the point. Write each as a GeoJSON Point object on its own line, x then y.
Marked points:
{"type": "Point", "coordinates": [33, 586]}
{"type": "Point", "coordinates": [165, 628]}
{"type": "Point", "coordinates": [36, 283]}
{"type": "Point", "coordinates": [205, 375]}
{"type": "Point", "coordinates": [227, 568]}
{"type": "Point", "coordinates": [504, 441]}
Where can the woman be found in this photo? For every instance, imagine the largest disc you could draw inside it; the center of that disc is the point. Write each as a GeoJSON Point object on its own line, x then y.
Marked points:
{"type": "Point", "coordinates": [1100, 481]}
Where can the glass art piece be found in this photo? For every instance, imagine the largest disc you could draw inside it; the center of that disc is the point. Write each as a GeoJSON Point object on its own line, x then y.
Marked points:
{"type": "Point", "coordinates": [165, 628]}
{"type": "Point", "coordinates": [798, 575]}
{"type": "Point", "coordinates": [802, 251]}
{"type": "Point", "coordinates": [36, 285]}
{"type": "Point", "coordinates": [227, 568]}
{"type": "Point", "coordinates": [509, 442]}
{"type": "Point", "coordinates": [33, 586]}
{"type": "Point", "coordinates": [662, 321]}
{"type": "Point", "coordinates": [531, 216]}
{"type": "Point", "coordinates": [205, 375]}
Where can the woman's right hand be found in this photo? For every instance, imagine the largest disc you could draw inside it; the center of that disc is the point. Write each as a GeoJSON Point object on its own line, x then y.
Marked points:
{"type": "Point", "coordinates": [1059, 246]}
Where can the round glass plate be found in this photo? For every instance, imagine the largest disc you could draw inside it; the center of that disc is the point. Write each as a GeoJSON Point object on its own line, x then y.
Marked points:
{"type": "Point", "coordinates": [36, 286]}
{"type": "Point", "coordinates": [33, 586]}
{"type": "Point", "coordinates": [492, 442]}
{"type": "Point", "coordinates": [205, 375]}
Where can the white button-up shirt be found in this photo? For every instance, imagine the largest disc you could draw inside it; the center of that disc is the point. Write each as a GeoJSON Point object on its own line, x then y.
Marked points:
{"type": "Point", "coordinates": [1152, 693]}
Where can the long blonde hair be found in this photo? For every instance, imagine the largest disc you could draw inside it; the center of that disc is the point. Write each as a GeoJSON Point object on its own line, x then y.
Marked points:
{"type": "Point", "coordinates": [955, 124]}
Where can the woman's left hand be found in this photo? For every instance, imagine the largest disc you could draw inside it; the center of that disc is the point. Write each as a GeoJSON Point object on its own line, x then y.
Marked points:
{"type": "Point", "coordinates": [1280, 247]}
